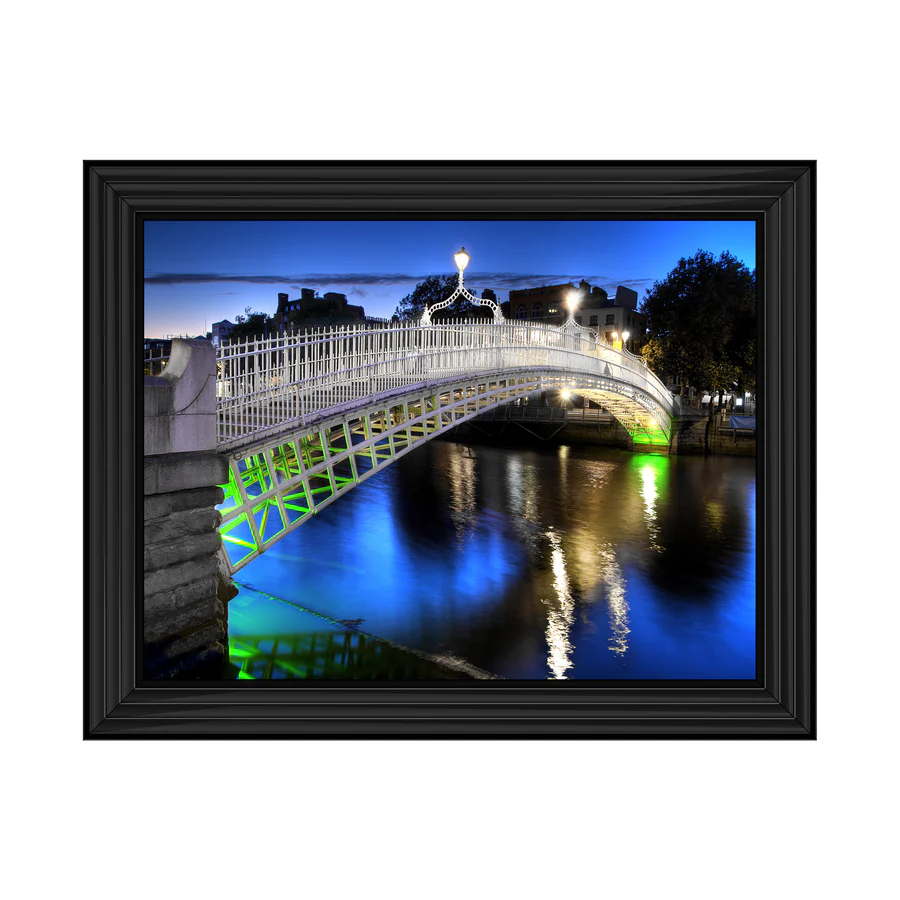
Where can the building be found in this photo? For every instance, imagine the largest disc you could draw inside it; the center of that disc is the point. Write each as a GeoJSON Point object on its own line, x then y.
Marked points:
{"type": "Point", "coordinates": [611, 318]}
{"type": "Point", "coordinates": [286, 306]}
{"type": "Point", "coordinates": [156, 354]}
{"type": "Point", "coordinates": [221, 331]}
{"type": "Point", "coordinates": [614, 318]}
{"type": "Point", "coordinates": [311, 309]}
{"type": "Point", "coordinates": [547, 303]}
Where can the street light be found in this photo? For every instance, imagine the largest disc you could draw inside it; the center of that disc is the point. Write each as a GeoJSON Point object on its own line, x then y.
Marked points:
{"type": "Point", "coordinates": [461, 258]}
{"type": "Point", "coordinates": [625, 336]}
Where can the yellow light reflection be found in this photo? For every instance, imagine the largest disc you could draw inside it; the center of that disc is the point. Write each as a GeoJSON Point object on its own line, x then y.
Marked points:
{"type": "Point", "coordinates": [560, 614]}
{"type": "Point", "coordinates": [564, 473]}
{"type": "Point", "coordinates": [462, 487]}
{"type": "Point", "coordinates": [649, 492]}
{"type": "Point", "coordinates": [715, 515]}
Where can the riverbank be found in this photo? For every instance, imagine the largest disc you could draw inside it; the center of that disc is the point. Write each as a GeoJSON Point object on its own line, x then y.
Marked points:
{"type": "Point", "coordinates": [555, 426]}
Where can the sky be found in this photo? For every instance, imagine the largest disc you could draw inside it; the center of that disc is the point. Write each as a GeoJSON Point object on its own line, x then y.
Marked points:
{"type": "Point", "coordinates": [197, 273]}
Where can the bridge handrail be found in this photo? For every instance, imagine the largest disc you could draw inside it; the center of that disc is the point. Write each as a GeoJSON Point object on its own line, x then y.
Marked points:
{"type": "Point", "coordinates": [628, 353]}
{"type": "Point", "coordinates": [263, 383]}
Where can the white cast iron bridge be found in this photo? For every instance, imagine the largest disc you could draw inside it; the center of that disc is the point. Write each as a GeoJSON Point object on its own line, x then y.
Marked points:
{"type": "Point", "coordinates": [305, 417]}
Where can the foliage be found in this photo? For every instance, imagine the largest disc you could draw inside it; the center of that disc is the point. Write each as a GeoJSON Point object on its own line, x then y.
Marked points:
{"type": "Point", "coordinates": [252, 324]}
{"type": "Point", "coordinates": [701, 323]}
{"type": "Point", "coordinates": [434, 289]}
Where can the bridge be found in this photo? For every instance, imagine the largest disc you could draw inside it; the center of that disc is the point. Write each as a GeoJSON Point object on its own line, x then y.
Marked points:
{"type": "Point", "coordinates": [245, 442]}
{"type": "Point", "coordinates": [303, 418]}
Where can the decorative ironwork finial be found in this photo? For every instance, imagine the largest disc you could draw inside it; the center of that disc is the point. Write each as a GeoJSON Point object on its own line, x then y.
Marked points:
{"type": "Point", "coordinates": [461, 258]}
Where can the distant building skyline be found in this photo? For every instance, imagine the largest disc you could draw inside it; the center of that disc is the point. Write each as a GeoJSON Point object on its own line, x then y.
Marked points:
{"type": "Point", "coordinates": [197, 273]}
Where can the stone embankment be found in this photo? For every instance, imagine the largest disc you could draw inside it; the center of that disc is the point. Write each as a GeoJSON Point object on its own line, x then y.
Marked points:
{"type": "Point", "coordinates": [185, 589]}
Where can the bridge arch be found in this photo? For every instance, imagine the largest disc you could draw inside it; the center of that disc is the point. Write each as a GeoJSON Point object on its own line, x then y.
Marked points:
{"type": "Point", "coordinates": [304, 418]}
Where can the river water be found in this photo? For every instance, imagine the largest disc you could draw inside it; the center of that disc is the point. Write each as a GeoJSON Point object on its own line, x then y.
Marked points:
{"type": "Point", "coordinates": [534, 562]}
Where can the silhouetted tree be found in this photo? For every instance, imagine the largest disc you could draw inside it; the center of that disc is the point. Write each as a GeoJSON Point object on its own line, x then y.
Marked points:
{"type": "Point", "coordinates": [252, 324]}
{"type": "Point", "coordinates": [701, 324]}
{"type": "Point", "coordinates": [434, 289]}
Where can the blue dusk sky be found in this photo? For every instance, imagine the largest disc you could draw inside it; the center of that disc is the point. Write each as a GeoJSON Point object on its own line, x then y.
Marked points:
{"type": "Point", "coordinates": [197, 273]}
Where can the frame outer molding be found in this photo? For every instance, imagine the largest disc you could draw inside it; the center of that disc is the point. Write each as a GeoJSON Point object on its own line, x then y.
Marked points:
{"type": "Point", "coordinates": [118, 197]}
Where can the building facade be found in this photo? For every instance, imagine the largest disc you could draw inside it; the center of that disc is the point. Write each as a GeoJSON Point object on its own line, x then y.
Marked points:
{"type": "Point", "coordinates": [547, 302]}
{"type": "Point", "coordinates": [615, 319]}
{"type": "Point", "coordinates": [221, 331]}
{"type": "Point", "coordinates": [309, 307]}
{"type": "Point", "coordinates": [611, 318]}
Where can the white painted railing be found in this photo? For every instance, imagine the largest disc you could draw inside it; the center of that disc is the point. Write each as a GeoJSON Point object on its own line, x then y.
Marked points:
{"type": "Point", "coordinates": [264, 384]}
{"type": "Point", "coordinates": [626, 352]}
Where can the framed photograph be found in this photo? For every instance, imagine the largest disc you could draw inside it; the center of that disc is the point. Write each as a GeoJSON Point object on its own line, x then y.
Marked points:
{"type": "Point", "coordinates": [125, 196]}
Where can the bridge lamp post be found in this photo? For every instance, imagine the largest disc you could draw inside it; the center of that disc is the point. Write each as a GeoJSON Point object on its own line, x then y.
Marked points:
{"type": "Point", "coordinates": [625, 336]}
{"type": "Point", "coordinates": [461, 258]}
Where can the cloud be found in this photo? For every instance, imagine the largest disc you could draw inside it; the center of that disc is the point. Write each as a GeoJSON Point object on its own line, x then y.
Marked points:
{"type": "Point", "coordinates": [358, 281]}
{"type": "Point", "coordinates": [295, 281]}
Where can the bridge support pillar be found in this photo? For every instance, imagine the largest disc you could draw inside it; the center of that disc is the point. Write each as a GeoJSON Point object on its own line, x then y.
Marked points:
{"type": "Point", "coordinates": [185, 623]}
{"type": "Point", "coordinates": [688, 432]}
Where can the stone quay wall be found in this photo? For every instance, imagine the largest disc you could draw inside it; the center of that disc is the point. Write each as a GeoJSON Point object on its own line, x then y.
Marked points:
{"type": "Point", "coordinates": [185, 586]}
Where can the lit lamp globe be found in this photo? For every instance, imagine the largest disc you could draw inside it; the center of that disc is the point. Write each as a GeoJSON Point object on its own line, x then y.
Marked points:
{"type": "Point", "coordinates": [573, 299]}
{"type": "Point", "coordinates": [625, 336]}
{"type": "Point", "coordinates": [615, 336]}
{"type": "Point", "coordinates": [461, 258]}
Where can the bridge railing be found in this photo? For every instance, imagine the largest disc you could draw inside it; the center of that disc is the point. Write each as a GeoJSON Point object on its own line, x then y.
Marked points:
{"type": "Point", "coordinates": [263, 384]}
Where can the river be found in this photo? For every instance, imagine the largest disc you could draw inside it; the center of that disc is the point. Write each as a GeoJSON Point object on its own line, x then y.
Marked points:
{"type": "Point", "coordinates": [524, 562]}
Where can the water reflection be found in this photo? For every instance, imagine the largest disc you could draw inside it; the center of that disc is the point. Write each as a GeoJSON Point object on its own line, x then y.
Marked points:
{"type": "Point", "coordinates": [326, 654]}
{"type": "Point", "coordinates": [560, 612]}
{"type": "Point", "coordinates": [462, 478]}
{"type": "Point", "coordinates": [533, 564]}
{"type": "Point", "coordinates": [650, 492]}
{"type": "Point", "coordinates": [564, 466]}
{"type": "Point", "coordinates": [714, 515]}
{"type": "Point", "coordinates": [522, 501]}
{"type": "Point", "coordinates": [615, 602]}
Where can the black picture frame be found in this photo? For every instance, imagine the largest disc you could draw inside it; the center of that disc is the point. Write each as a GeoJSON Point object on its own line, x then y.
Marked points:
{"type": "Point", "coordinates": [120, 196]}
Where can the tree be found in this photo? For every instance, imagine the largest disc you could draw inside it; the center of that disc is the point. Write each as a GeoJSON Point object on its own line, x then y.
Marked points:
{"type": "Point", "coordinates": [434, 289]}
{"type": "Point", "coordinates": [251, 325]}
{"type": "Point", "coordinates": [701, 324]}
